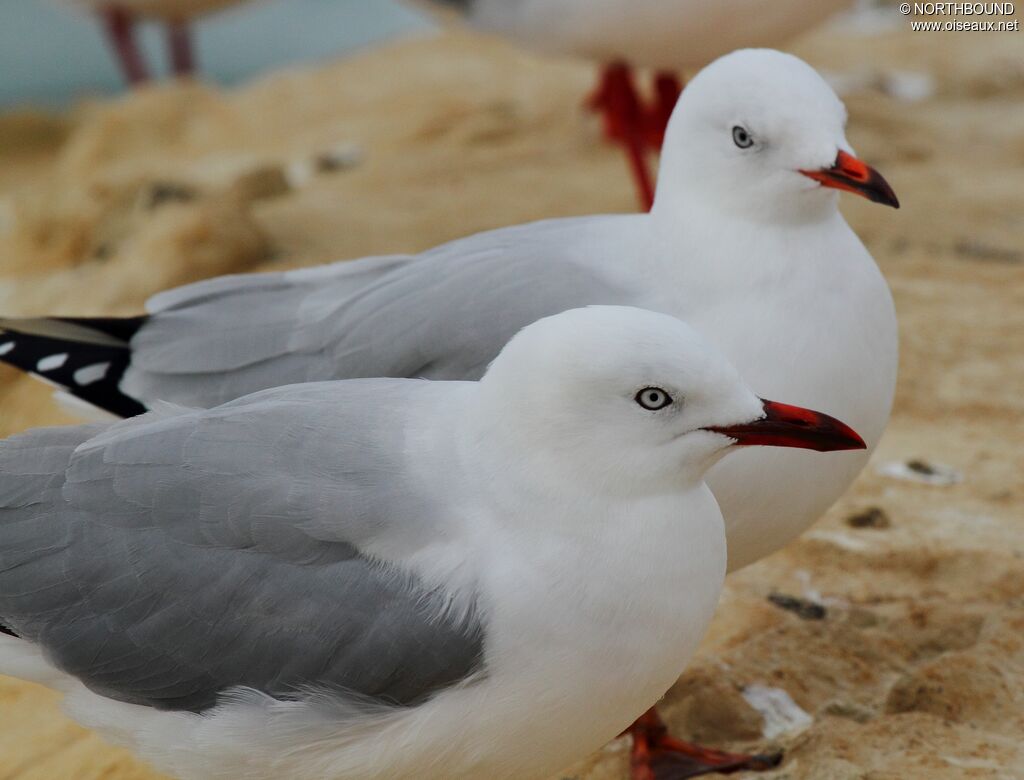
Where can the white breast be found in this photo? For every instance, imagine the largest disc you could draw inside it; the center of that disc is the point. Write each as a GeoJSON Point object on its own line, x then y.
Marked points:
{"type": "Point", "coordinates": [595, 627]}
{"type": "Point", "coordinates": [814, 327]}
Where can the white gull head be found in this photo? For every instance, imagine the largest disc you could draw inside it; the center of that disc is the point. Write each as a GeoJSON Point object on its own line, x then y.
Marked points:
{"type": "Point", "coordinates": [760, 134]}
{"type": "Point", "coordinates": [621, 398]}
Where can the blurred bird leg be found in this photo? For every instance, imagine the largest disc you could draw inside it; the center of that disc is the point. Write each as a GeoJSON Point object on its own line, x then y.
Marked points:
{"type": "Point", "coordinates": [120, 28]}
{"type": "Point", "coordinates": [179, 46]}
{"type": "Point", "coordinates": [667, 88]}
{"type": "Point", "coordinates": [625, 123]}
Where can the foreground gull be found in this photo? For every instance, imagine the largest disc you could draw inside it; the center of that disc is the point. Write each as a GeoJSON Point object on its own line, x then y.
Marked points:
{"type": "Point", "coordinates": [119, 20]}
{"type": "Point", "coordinates": [745, 243]}
{"type": "Point", "coordinates": [669, 36]}
{"type": "Point", "coordinates": [388, 578]}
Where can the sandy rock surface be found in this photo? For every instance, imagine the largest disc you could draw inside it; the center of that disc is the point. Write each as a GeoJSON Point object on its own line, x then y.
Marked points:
{"type": "Point", "coordinates": [889, 641]}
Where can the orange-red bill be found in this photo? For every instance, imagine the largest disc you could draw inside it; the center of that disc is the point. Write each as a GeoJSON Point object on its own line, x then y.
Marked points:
{"type": "Point", "coordinates": [851, 175]}
{"type": "Point", "coordinates": [793, 426]}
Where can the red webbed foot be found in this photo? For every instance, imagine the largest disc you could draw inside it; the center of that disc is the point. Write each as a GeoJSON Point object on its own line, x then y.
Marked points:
{"type": "Point", "coordinates": [658, 756]}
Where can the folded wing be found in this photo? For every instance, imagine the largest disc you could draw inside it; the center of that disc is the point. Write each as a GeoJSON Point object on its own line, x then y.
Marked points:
{"type": "Point", "coordinates": [442, 315]}
{"type": "Point", "coordinates": [169, 558]}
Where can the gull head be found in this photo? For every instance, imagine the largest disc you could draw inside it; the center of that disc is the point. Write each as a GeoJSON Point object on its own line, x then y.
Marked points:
{"type": "Point", "coordinates": [760, 134]}
{"type": "Point", "coordinates": [625, 400]}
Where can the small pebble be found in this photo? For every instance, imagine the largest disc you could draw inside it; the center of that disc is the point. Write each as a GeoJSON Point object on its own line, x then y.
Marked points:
{"type": "Point", "coordinates": [266, 181]}
{"type": "Point", "coordinates": [162, 192]}
{"type": "Point", "coordinates": [986, 253]}
{"type": "Point", "coordinates": [872, 517]}
{"type": "Point", "coordinates": [848, 710]}
{"type": "Point", "coordinates": [781, 714]}
{"type": "Point", "coordinates": [802, 608]}
{"type": "Point", "coordinates": [302, 171]}
{"type": "Point", "coordinates": [103, 251]}
{"type": "Point", "coordinates": [339, 159]}
{"type": "Point", "coordinates": [919, 470]}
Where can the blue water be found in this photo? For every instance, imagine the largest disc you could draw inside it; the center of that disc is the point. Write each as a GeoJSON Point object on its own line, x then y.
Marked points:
{"type": "Point", "coordinates": [50, 54]}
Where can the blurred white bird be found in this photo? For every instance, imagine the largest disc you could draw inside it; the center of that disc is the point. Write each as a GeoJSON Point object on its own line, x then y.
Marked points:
{"type": "Point", "coordinates": [669, 36]}
{"type": "Point", "coordinates": [387, 579]}
{"type": "Point", "coordinates": [119, 19]}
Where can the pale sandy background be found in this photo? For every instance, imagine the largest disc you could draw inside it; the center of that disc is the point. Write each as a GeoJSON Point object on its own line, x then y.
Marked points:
{"type": "Point", "coordinates": [916, 669]}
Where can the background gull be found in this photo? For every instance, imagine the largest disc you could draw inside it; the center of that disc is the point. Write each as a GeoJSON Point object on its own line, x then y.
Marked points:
{"type": "Point", "coordinates": [388, 578]}
{"type": "Point", "coordinates": [670, 36]}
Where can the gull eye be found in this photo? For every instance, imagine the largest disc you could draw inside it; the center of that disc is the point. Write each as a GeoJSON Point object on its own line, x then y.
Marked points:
{"type": "Point", "coordinates": [653, 398]}
{"type": "Point", "coordinates": [742, 138]}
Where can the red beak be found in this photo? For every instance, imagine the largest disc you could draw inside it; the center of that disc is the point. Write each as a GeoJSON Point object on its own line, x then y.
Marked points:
{"type": "Point", "coordinates": [851, 175]}
{"type": "Point", "coordinates": [793, 426]}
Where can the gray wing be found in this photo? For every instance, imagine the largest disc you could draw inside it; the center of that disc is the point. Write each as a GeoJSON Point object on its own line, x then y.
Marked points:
{"type": "Point", "coordinates": [165, 560]}
{"type": "Point", "coordinates": [443, 315]}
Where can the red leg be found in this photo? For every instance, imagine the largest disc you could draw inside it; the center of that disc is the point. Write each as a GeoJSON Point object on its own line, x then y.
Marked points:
{"type": "Point", "coordinates": [658, 756]}
{"type": "Point", "coordinates": [616, 99]}
{"type": "Point", "coordinates": [179, 44]}
{"type": "Point", "coordinates": [640, 757]}
{"type": "Point", "coordinates": [667, 88]}
{"type": "Point", "coordinates": [120, 29]}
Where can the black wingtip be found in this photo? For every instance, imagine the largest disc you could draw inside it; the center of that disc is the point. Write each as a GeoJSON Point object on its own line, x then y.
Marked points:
{"type": "Point", "coordinates": [89, 371]}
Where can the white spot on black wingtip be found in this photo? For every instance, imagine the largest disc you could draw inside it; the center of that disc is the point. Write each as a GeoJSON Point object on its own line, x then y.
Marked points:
{"type": "Point", "coordinates": [91, 373]}
{"type": "Point", "coordinates": [6, 347]}
{"type": "Point", "coordinates": [52, 362]}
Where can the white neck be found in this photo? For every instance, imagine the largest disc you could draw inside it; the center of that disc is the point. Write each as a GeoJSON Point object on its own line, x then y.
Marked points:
{"type": "Point", "coordinates": [676, 201]}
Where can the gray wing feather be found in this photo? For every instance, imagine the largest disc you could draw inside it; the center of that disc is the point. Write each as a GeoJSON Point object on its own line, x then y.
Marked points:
{"type": "Point", "coordinates": [443, 315]}
{"type": "Point", "coordinates": [168, 559]}
{"type": "Point", "coordinates": [243, 319]}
